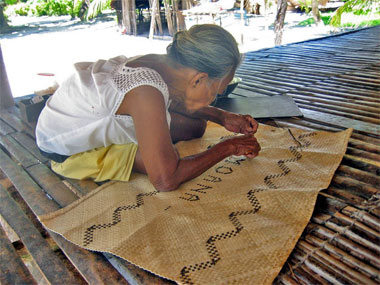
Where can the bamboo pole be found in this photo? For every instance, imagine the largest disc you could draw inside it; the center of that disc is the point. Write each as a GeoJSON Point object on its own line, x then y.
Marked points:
{"type": "Point", "coordinates": [342, 113]}
{"type": "Point", "coordinates": [360, 175]}
{"type": "Point", "coordinates": [344, 256]}
{"type": "Point", "coordinates": [358, 94]}
{"type": "Point", "coordinates": [354, 249]}
{"type": "Point", "coordinates": [311, 265]}
{"type": "Point", "coordinates": [357, 225]}
{"type": "Point", "coordinates": [369, 109]}
{"type": "Point", "coordinates": [303, 277]}
{"type": "Point", "coordinates": [366, 190]}
{"type": "Point", "coordinates": [335, 265]}
{"type": "Point", "coordinates": [322, 271]}
{"type": "Point", "coordinates": [346, 196]}
{"type": "Point", "coordinates": [341, 107]}
{"type": "Point", "coordinates": [315, 278]}
{"type": "Point", "coordinates": [363, 216]}
{"type": "Point", "coordinates": [310, 124]}
{"type": "Point", "coordinates": [364, 154]}
{"type": "Point", "coordinates": [365, 146]}
{"type": "Point", "coordinates": [287, 280]}
{"type": "Point", "coordinates": [340, 97]}
{"type": "Point", "coordinates": [360, 164]}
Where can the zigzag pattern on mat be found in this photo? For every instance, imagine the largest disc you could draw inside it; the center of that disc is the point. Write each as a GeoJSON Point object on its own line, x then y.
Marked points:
{"type": "Point", "coordinates": [210, 243]}
{"type": "Point", "coordinates": [282, 163]}
{"type": "Point", "coordinates": [233, 217]}
{"type": "Point", "coordinates": [116, 217]}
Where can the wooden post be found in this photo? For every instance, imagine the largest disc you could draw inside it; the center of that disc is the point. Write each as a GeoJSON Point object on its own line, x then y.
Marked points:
{"type": "Point", "coordinates": [129, 16]}
{"type": "Point", "coordinates": [175, 15]}
{"type": "Point", "coordinates": [6, 98]}
{"type": "Point", "coordinates": [316, 14]}
{"type": "Point", "coordinates": [153, 19]}
{"type": "Point", "coordinates": [181, 25]}
{"type": "Point", "coordinates": [133, 16]}
{"type": "Point", "coordinates": [158, 17]}
{"type": "Point", "coordinates": [126, 20]}
{"type": "Point", "coordinates": [186, 4]}
{"type": "Point", "coordinates": [169, 18]}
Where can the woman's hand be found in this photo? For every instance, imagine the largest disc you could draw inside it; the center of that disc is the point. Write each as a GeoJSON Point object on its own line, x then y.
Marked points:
{"type": "Point", "coordinates": [244, 145]}
{"type": "Point", "coordinates": [243, 124]}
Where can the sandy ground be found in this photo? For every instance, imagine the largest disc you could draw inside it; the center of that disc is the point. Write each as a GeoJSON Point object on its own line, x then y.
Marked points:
{"type": "Point", "coordinates": [53, 44]}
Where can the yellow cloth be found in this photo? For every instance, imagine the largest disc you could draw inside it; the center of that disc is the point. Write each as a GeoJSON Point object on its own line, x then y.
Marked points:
{"type": "Point", "coordinates": [114, 162]}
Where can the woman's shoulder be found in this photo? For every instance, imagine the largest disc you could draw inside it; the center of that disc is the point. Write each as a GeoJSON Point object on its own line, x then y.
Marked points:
{"type": "Point", "coordinates": [136, 73]}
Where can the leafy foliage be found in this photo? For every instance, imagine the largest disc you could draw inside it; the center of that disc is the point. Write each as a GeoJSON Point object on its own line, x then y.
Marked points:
{"type": "Point", "coordinates": [56, 8]}
{"type": "Point", "coordinates": [305, 5]}
{"type": "Point", "coordinates": [357, 8]}
{"type": "Point", "coordinates": [52, 8]}
{"type": "Point", "coordinates": [10, 2]}
{"type": "Point", "coordinates": [310, 21]}
{"type": "Point", "coordinates": [21, 9]}
{"type": "Point", "coordinates": [96, 7]}
{"type": "Point", "coordinates": [42, 8]}
{"type": "Point", "coordinates": [366, 23]}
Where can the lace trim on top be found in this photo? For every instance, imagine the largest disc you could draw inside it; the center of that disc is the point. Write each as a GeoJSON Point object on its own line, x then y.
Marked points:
{"type": "Point", "coordinates": [127, 78]}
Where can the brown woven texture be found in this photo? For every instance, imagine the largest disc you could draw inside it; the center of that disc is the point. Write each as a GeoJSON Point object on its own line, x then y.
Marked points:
{"type": "Point", "coordinates": [236, 223]}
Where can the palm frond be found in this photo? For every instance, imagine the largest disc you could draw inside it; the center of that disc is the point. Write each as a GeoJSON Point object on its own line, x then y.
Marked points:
{"type": "Point", "coordinates": [96, 7]}
{"type": "Point", "coordinates": [358, 6]}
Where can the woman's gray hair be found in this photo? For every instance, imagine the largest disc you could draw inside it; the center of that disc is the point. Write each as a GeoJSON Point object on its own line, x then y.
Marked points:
{"type": "Point", "coordinates": [206, 48]}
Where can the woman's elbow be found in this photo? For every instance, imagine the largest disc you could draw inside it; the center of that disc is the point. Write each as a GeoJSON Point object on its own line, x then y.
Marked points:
{"type": "Point", "coordinates": [165, 184]}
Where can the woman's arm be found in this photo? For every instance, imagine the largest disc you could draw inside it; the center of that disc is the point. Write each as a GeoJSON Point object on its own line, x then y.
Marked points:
{"type": "Point", "coordinates": [243, 124]}
{"type": "Point", "coordinates": [208, 113]}
{"type": "Point", "coordinates": [165, 169]}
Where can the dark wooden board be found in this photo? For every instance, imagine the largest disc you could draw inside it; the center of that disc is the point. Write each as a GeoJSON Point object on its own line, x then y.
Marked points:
{"type": "Point", "coordinates": [52, 184]}
{"type": "Point", "coordinates": [12, 269]}
{"type": "Point", "coordinates": [342, 121]}
{"type": "Point", "coordinates": [30, 144]}
{"type": "Point", "coordinates": [51, 266]}
{"type": "Point", "coordinates": [261, 107]}
{"type": "Point", "coordinates": [18, 151]}
{"type": "Point", "coordinates": [5, 128]}
{"type": "Point", "coordinates": [93, 266]}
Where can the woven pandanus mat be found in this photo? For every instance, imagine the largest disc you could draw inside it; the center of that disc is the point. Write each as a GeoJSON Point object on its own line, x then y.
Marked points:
{"type": "Point", "coordinates": [236, 223]}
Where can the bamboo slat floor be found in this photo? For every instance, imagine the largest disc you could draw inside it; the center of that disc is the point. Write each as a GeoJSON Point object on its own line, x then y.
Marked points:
{"type": "Point", "coordinates": [334, 81]}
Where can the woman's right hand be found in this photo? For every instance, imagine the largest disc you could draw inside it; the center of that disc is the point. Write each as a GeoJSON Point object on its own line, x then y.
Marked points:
{"type": "Point", "coordinates": [244, 145]}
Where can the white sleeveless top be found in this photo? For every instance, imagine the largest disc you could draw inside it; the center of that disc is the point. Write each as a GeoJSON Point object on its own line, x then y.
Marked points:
{"type": "Point", "coordinates": [81, 115]}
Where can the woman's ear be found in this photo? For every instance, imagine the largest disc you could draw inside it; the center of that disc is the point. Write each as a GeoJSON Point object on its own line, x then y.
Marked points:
{"type": "Point", "coordinates": [198, 79]}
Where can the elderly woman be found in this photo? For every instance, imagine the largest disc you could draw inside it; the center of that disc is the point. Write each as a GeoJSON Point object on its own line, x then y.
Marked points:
{"type": "Point", "coordinates": [114, 116]}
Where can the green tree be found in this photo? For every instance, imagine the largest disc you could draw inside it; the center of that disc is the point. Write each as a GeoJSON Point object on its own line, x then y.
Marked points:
{"type": "Point", "coordinates": [357, 7]}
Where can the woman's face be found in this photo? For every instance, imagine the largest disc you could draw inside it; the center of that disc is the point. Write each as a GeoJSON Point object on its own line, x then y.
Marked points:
{"type": "Point", "coordinates": [205, 92]}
